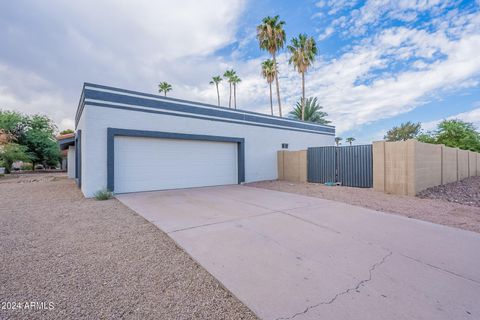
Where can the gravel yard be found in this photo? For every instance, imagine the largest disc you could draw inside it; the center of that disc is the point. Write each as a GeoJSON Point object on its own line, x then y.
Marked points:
{"type": "Point", "coordinates": [96, 260]}
{"type": "Point", "coordinates": [466, 192]}
{"type": "Point", "coordinates": [433, 210]}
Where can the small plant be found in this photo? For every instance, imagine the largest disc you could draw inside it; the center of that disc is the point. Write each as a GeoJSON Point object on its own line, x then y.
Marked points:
{"type": "Point", "coordinates": [103, 194]}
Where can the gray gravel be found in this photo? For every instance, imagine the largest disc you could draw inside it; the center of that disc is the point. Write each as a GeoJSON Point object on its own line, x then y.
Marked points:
{"type": "Point", "coordinates": [96, 260]}
{"type": "Point", "coordinates": [432, 210]}
{"type": "Point", "coordinates": [465, 192]}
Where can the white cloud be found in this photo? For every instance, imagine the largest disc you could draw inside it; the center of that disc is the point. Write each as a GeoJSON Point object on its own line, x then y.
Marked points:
{"type": "Point", "coordinates": [49, 50]}
{"type": "Point", "coordinates": [472, 116]}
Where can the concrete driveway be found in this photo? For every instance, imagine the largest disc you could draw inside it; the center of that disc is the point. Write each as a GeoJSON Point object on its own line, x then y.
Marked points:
{"type": "Point", "coordinates": [288, 256]}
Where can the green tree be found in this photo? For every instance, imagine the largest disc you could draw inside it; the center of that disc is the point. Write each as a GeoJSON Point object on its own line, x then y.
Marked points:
{"type": "Point", "coordinates": [269, 70]}
{"type": "Point", "coordinates": [312, 111]}
{"type": "Point", "coordinates": [405, 131]}
{"type": "Point", "coordinates": [229, 75]}
{"type": "Point", "coordinates": [14, 124]}
{"type": "Point", "coordinates": [235, 80]}
{"type": "Point", "coordinates": [271, 37]}
{"type": "Point", "coordinates": [40, 141]}
{"type": "Point", "coordinates": [302, 54]}
{"type": "Point", "coordinates": [164, 87]}
{"type": "Point", "coordinates": [216, 80]}
{"type": "Point", "coordinates": [11, 152]}
{"type": "Point", "coordinates": [459, 134]}
{"type": "Point", "coordinates": [337, 141]}
{"type": "Point", "coordinates": [66, 131]}
{"type": "Point", "coordinates": [350, 140]}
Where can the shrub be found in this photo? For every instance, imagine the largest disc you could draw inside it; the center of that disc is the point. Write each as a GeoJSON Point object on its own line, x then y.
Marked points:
{"type": "Point", "coordinates": [26, 167]}
{"type": "Point", "coordinates": [103, 194]}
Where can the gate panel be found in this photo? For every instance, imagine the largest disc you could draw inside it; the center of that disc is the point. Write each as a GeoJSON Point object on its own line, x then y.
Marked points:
{"type": "Point", "coordinates": [355, 166]}
{"type": "Point", "coordinates": [321, 162]}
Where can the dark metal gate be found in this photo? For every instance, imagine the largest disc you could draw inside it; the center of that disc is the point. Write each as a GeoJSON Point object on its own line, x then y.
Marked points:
{"type": "Point", "coordinates": [350, 165]}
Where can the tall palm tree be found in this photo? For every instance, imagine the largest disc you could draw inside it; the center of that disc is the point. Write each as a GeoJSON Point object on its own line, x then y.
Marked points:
{"type": "Point", "coordinates": [216, 80]}
{"type": "Point", "coordinates": [313, 111]}
{"type": "Point", "coordinates": [337, 140]}
{"type": "Point", "coordinates": [271, 37]}
{"type": "Point", "coordinates": [303, 51]}
{"type": "Point", "coordinates": [164, 87]}
{"type": "Point", "coordinates": [235, 80]}
{"type": "Point", "coordinates": [269, 70]}
{"type": "Point", "coordinates": [228, 75]}
{"type": "Point", "coordinates": [350, 140]}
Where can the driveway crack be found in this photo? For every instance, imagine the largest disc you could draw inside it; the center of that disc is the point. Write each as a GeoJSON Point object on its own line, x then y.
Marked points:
{"type": "Point", "coordinates": [344, 292]}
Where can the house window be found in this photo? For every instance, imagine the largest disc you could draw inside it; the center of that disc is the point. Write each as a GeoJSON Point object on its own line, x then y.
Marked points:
{"type": "Point", "coordinates": [284, 145]}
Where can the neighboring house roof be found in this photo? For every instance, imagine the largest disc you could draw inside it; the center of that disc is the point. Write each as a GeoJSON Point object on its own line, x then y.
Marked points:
{"type": "Point", "coordinates": [65, 140]}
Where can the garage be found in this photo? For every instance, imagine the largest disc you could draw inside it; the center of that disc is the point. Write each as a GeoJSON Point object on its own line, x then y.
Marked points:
{"type": "Point", "coordinates": [145, 164]}
{"type": "Point", "coordinates": [130, 141]}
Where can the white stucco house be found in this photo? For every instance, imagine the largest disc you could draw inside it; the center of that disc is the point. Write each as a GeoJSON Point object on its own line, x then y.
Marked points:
{"type": "Point", "coordinates": [129, 141]}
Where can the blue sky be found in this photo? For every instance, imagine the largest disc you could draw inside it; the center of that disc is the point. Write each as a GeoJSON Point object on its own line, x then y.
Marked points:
{"type": "Point", "coordinates": [380, 62]}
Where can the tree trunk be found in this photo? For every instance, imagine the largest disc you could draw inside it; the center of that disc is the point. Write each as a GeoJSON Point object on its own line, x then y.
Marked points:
{"type": "Point", "coordinates": [235, 96]}
{"type": "Point", "coordinates": [303, 95]}
{"type": "Point", "coordinates": [230, 98]}
{"type": "Point", "coordinates": [276, 84]}
{"type": "Point", "coordinates": [271, 99]}
{"type": "Point", "coordinates": [165, 93]}
{"type": "Point", "coordinates": [218, 95]}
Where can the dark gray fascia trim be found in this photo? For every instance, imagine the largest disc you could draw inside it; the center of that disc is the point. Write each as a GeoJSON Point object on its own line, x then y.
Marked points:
{"type": "Point", "coordinates": [93, 85]}
{"type": "Point", "coordinates": [113, 132]}
{"type": "Point", "coordinates": [200, 111]}
{"type": "Point", "coordinates": [106, 105]}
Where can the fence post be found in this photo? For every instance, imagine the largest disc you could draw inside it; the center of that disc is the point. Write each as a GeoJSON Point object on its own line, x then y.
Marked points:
{"type": "Point", "coordinates": [378, 165]}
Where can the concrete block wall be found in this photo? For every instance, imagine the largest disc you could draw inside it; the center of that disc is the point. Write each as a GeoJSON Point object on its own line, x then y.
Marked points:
{"type": "Point", "coordinates": [408, 167]}
{"type": "Point", "coordinates": [292, 165]}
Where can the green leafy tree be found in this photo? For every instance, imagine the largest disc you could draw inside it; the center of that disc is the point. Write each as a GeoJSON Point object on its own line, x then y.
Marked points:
{"type": "Point", "coordinates": [337, 141]}
{"type": "Point", "coordinates": [216, 81]}
{"type": "Point", "coordinates": [164, 87]}
{"type": "Point", "coordinates": [13, 124]}
{"type": "Point", "coordinates": [229, 75]}
{"type": "Point", "coordinates": [269, 70]}
{"type": "Point", "coordinates": [350, 140]}
{"type": "Point", "coordinates": [66, 131]}
{"type": "Point", "coordinates": [312, 111]}
{"type": "Point", "coordinates": [303, 51]}
{"type": "Point", "coordinates": [405, 131]}
{"type": "Point", "coordinates": [459, 134]}
{"type": "Point", "coordinates": [11, 152]}
{"type": "Point", "coordinates": [271, 37]}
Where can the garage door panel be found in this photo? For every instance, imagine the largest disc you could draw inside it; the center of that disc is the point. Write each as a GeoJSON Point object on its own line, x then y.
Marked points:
{"type": "Point", "coordinates": [143, 164]}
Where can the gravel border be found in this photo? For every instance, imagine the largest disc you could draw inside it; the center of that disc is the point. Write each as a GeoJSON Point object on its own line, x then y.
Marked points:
{"type": "Point", "coordinates": [96, 260]}
{"type": "Point", "coordinates": [432, 210]}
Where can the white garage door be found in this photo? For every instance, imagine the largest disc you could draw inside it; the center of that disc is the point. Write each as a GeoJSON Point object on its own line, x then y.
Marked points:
{"type": "Point", "coordinates": [143, 164]}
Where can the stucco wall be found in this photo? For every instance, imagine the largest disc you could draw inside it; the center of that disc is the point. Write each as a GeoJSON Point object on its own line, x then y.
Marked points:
{"type": "Point", "coordinates": [71, 162]}
{"type": "Point", "coordinates": [408, 167]}
{"type": "Point", "coordinates": [292, 165]}
{"type": "Point", "coordinates": [261, 143]}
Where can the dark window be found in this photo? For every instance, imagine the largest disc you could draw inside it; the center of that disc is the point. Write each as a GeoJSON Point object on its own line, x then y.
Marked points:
{"type": "Point", "coordinates": [284, 145]}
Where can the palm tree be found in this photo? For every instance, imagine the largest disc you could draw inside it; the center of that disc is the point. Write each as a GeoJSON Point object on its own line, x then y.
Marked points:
{"type": "Point", "coordinates": [235, 80]}
{"type": "Point", "coordinates": [337, 140]}
{"type": "Point", "coordinates": [269, 70]}
{"type": "Point", "coordinates": [350, 140]}
{"type": "Point", "coordinates": [313, 111]}
{"type": "Point", "coordinates": [216, 80]}
{"type": "Point", "coordinates": [229, 74]}
{"type": "Point", "coordinates": [303, 51]}
{"type": "Point", "coordinates": [271, 38]}
{"type": "Point", "coordinates": [164, 87]}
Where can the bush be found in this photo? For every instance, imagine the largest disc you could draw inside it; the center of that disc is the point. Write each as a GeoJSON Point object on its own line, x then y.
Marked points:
{"type": "Point", "coordinates": [103, 194]}
{"type": "Point", "coordinates": [26, 167]}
